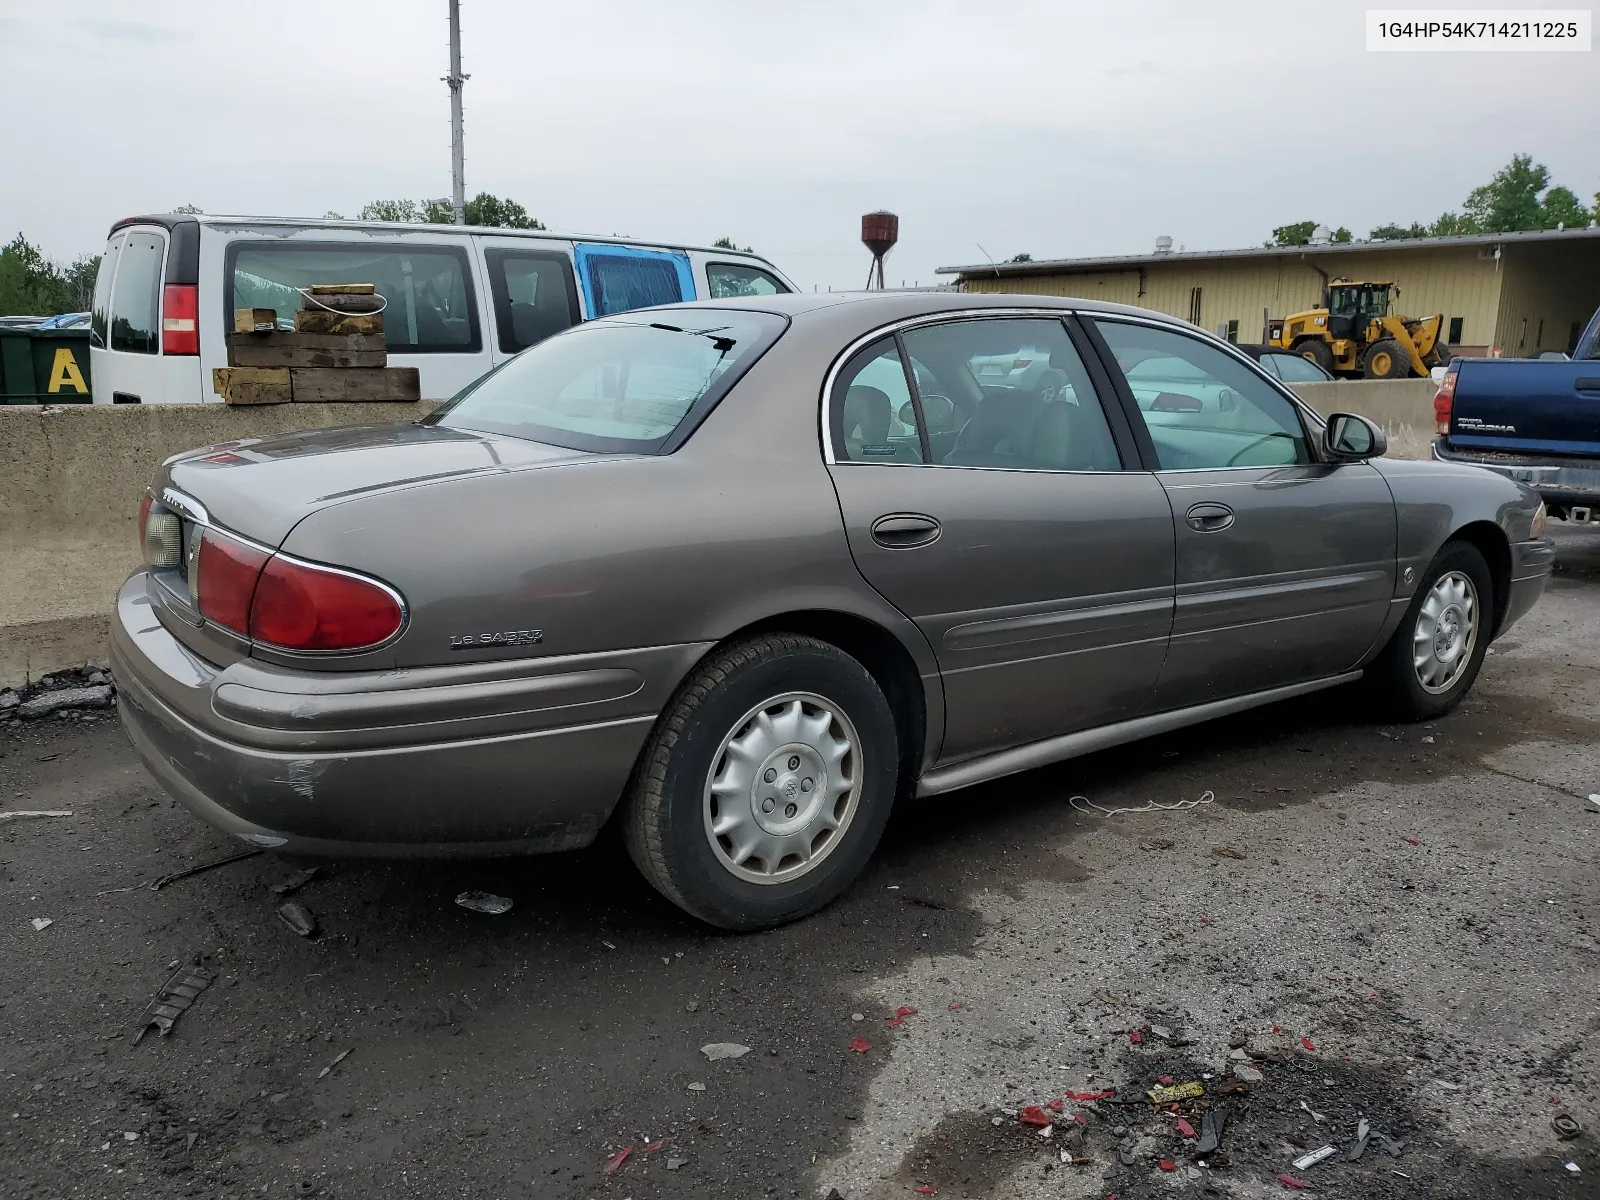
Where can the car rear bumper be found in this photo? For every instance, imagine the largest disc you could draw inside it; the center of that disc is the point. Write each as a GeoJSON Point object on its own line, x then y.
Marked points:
{"type": "Point", "coordinates": [512, 756]}
{"type": "Point", "coordinates": [1562, 483]}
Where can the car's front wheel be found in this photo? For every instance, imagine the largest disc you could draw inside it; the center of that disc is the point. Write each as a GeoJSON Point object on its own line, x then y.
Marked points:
{"type": "Point", "coordinates": [766, 785]}
{"type": "Point", "coordinates": [1433, 658]}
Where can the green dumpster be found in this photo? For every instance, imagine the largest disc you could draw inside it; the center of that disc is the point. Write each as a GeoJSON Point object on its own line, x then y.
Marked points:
{"type": "Point", "coordinates": [44, 366]}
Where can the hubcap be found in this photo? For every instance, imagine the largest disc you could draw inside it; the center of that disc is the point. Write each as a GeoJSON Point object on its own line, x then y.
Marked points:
{"type": "Point", "coordinates": [1446, 632]}
{"type": "Point", "coordinates": [783, 788]}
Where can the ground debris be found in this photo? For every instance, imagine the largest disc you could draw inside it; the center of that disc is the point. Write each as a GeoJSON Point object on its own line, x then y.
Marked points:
{"type": "Point", "coordinates": [1162, 1094]}
{"type": "Point", "coordinates": [295, 882]}
{"type": "Point", "coordinates": [342, 1055]}
{"type": "Point", "coordinates": [174, 999]}
{"type": "Point", "coordinates": [298, 918]}
{"type": "Point", "coordinates": [484, 902]}
{"type": "Point", "coordinates": [720, 1050]}
{"type": "Point", "coordinates": [40, 924]}
{"type": "Point", "coordinates": [31, 814]}
{"type": "Point", "coordinates": [45, 703]}
{"type": "Point", "coordinates": [202, 868]}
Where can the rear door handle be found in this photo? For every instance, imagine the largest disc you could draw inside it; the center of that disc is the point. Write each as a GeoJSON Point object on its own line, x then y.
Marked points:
{"type": "Point", "coordinates": [1587, 385]}
{"type": "Point", "coordinates": [1209, 517]}
{"type": "Point", "coordinates": [905, 531]}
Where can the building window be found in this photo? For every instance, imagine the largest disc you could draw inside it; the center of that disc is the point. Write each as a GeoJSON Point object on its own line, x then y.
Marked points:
{"type": "Point", "coordinates": [1194, 306]}
{"type": "Point", "coordinates": [1455, 331]}
{"type": "Point", "coordinates": [1522, 334]}
{"type": "Point", "coordinates": [1538, 338]}
{"type": "Point", "coordinates": [1233, 332]}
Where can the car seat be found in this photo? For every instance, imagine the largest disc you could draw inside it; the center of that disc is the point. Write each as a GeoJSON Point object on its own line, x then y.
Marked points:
{"type": "Point", "coordinates": [864, 420]}
{"type": "Point", "coordinates": [1067, 438]}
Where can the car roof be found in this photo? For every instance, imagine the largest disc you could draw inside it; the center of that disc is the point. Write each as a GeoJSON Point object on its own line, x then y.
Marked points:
{"type": "Point", "coordinates": [227, 222]}
{"type": "Point", "coordinates": [888, 306]}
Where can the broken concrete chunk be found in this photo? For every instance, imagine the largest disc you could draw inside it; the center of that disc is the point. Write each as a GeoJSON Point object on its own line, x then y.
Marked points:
{"type": "Point", "coordinates": [173, 1000]}
{"type": "Point", "coordinates": [46, 703]}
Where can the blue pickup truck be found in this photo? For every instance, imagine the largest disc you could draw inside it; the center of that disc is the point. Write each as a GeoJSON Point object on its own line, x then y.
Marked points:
{"type": "Point", "coordinates": [1534, 420]}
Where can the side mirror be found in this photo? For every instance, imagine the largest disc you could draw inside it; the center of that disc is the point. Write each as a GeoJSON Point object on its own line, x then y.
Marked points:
{"type": "Point", "coordinates": [1350, 438]}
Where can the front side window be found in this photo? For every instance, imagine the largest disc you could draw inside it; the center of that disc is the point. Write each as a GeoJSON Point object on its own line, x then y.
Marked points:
{"type": "Point", "coordinates": [621, 384]}
{"type": "Point", "coordinates": [736, 279]}
{"type": "Point", "coordinates": [533, 296]}
{"type": "Point", "coordinates": [428, 300]}
{"type": "Point", "coordinates": [1203, 407]}
{"type": "Point", "coordinates": [1009, 393]}
{"type": "Point", "coordinates": [1291, 368]}
{"type": "Point", "coordinates": [100, 315]}
{"type": "Point", "coordinates": [136, 294]}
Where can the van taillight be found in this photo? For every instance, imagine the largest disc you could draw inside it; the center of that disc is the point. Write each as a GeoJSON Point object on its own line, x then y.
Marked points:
{"type": "Point", "coordinates": [299, 606]}
{"type": "Point", "coordinates": [180, 334]}
{"type": "Point", "coordinates": [1443, 401]}
{"type": "Point", "coordinates": [228, 571]}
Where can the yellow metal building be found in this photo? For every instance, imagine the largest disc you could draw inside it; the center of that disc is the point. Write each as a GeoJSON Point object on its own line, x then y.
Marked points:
{"type": "Point", "coordinates": [1512, 294]}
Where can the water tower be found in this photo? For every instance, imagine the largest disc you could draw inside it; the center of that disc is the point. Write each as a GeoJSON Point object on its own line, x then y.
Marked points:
{"type": "Point", "coordinates": [879, 232]}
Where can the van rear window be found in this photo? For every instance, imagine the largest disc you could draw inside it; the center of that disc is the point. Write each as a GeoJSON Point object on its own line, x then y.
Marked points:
{"type": "Point", "coordinates": [136, 294]}
{"type": "Point", "coordinates": [430, 306]}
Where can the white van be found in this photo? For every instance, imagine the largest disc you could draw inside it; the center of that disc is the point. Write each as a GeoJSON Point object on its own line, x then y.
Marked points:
{"type": "Point", "coordinates": [460, 299]}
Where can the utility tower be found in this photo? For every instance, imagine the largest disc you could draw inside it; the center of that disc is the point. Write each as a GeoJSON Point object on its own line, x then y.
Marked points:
{"type": "Point", "coordinates": [458, 171]}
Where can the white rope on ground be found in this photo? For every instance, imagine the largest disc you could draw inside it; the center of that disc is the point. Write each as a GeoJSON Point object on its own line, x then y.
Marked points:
{"type": "Point", "coordinates": [26, 814]}
{"type": "Point", "coordinates": [1149, 806]}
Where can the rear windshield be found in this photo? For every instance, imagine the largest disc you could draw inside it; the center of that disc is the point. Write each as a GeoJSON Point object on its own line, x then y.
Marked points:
{"type": "Point", "coordinates": [429, 300]}
{"type": "Point", "coordinates": [637, 383]}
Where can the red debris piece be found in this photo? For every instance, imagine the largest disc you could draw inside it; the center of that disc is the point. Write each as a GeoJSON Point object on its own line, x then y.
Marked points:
{"type": "Point", "coordinates": [955, 1008]}
{"type": "Point", "coordinates": [1168, 1165]}
{"type": "Point", "coordinates": [1308, 1043]}
{"type": "Point", "coordinates": [616, 1160]}
{"type": "Point", "coordinates": [652, 1147]}
{"type": "Point", "coordinates": [925, 1190]}
{"type": "Point", "coordinates": [1299, 1185]}
{"type": "Point", "coordinates": [1185, 1128]}
{"type": "Point", "coordinates": [1087, 1097]}
{"type": "Point", "coordinates": [1080, 1118]}
{"type": "Point", "coordinates": [1135, 1036]}
{"type": "Point", "coordinates": [899, 1018]}
{"type": "Point", "coordinates": [860, 1044]}
{"type": "Point", "coordinates": [1413, 841]}
{"type": "Point", "coordinates": [1056, 1105]}
{"type": "Point", "coordinates": [1033, 1115]}
{"type": "Point", "coordinates": [1276, 1029]}
{"type": "Point", "coordinates": [1165, 1080]}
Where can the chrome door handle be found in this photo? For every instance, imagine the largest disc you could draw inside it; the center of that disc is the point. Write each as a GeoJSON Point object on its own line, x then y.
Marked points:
{"type": "Point", "coordinates": [905, 531]}
{"type": "Point", "coordinates": [1209, 517]}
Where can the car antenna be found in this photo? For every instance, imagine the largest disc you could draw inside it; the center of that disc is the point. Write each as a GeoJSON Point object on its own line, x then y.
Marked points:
{"type": "Point", "coordinates": [990, 257]}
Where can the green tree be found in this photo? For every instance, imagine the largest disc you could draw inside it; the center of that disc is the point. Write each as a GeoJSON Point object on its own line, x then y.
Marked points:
{"type": "Point", "coordinates": [482, 209]}
{"type": "Point", "coordinates": [1021, 258]}
{"type": "Point", "coordinates": [1454, 225]}
{"type": "Point", "coordinates": [1297, 234]}
{"type": "Point", "coordinates": [79, 278]}
{"type": "Point", "coordinates": [1509, 201]}
{"type": "Point", "coordinates": [30, 284]}
{"type": "Point", "coordinates": [1340, 236]}
{"type": "Point", "coordinates": [392, 210]}
{"type": "Point", "coordinates": [1390, 233]}
{"type": "Point", "coordinates": [1561, 206]}
{"type": "Point", "coordinates": [723, 243]}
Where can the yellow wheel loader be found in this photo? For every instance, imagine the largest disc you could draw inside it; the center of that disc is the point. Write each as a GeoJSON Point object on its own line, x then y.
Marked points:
{"type": "Point", "coordinates": [1355, 334]}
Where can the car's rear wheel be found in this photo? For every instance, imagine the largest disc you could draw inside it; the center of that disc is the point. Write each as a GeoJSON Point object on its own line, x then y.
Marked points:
{"type": "Point", "coordinates": [1435, 654]}
{"type": "Point", "coordinates": [766, 784]}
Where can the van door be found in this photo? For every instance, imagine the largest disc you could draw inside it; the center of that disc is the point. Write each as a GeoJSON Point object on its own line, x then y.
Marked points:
{"type": "Point", "coordinates": [127, 363]}
{"type": "Point", "coordinates": [431, 320]}
{"type": "Point", "coordinates": [616, 279]}
{"type": "Point", "coordinates": [533, 292]}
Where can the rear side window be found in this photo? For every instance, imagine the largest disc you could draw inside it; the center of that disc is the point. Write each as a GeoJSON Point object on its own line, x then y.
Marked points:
{"type": "Point", "coordinates": [100, 316]}
{"type": "Point", "coordinates": [737, 279]}
{"type": "Point", "coordinates": [623, 384]}
{"type": "Point", "coordinates": [619, 279]}
{"type": "Point", "coordinates": [871, 411]}
{"type": "Point", "coordinates": [429, 307]}
{"type": "Point", "coordinates": [533, 296]}
{"type": "Point", "coordinates": [136, 294]}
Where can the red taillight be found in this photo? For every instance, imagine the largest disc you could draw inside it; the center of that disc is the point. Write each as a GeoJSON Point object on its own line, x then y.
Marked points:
{"type": "Point", "coordinates": [302, 607]}
{"type": "Point", "coordinates": [228, 571]}
{"type": "Point", "coordinates": [1021, 364]}
{"type": "Point", "coordinates": [1443, 401]}
{"type": "Point", "coordinates": [180, 334]}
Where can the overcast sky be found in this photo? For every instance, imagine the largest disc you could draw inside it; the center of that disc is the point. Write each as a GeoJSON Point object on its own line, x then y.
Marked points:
{"type": "Point", "coordinates": [1058, 128]}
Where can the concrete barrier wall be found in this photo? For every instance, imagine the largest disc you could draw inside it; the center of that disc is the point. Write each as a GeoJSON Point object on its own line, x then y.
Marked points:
{"type": "Point", "coordinates": [71, 478]}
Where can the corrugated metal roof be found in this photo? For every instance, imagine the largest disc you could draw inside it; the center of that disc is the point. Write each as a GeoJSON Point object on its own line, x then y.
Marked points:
{"type": "Point", "coordinates": [1118, 261]}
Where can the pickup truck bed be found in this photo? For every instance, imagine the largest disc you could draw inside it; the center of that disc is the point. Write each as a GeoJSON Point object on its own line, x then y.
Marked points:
{"type": "Point", "coordinates": [1534, 420]}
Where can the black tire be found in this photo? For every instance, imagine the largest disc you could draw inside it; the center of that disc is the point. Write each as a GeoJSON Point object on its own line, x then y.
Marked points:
{"type": "Point", "coordinates": [1386, 359]}
{"type": "Point", "coordinates": [1316, 350]}
{"type": "Point", "coordinates": [1393, 675]}
{"type": "Point", "coordinates": [665, 822]}
{"type": "Point", "coordinates": [1441, 354]}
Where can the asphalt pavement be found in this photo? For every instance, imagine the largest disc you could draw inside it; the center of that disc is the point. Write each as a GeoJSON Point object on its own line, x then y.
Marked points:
{"type": "Point", "coordinates": [1395, 923]}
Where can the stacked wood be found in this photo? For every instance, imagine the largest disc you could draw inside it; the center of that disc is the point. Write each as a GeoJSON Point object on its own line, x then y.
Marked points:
{"type": "Point", "coordinates": [336, 353]}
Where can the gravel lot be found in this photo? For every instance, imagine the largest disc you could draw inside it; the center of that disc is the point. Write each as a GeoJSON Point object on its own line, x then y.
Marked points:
{"type": "Point", "coordinates": [1420, 904]}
